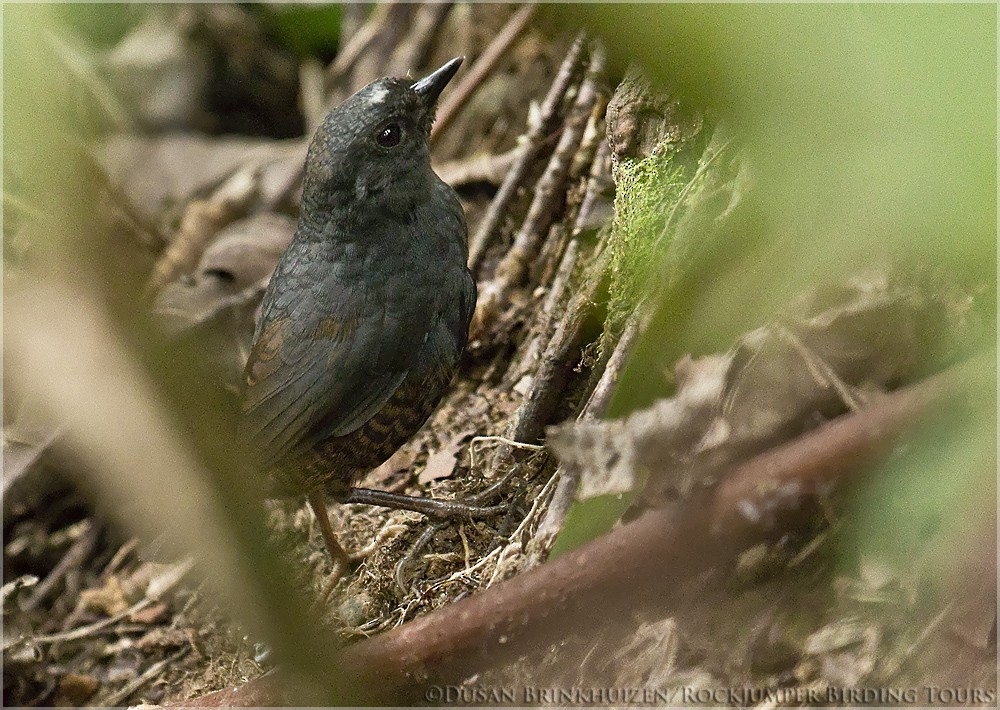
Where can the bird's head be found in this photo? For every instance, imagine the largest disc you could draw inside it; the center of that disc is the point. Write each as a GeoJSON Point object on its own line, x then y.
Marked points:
{"type": "Point", "coordinates": [376, 140]}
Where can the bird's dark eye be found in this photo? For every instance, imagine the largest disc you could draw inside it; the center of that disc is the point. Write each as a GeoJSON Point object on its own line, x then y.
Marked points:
{"type": "Point", "coordinates": [389, 135]}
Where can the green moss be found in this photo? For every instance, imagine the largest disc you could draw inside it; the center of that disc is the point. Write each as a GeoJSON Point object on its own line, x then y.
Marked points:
{"type": "Point", "coordinates": [646, 192]}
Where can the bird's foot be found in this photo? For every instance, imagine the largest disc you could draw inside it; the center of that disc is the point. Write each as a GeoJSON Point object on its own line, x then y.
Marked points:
{"type": "Point", "coordinates": [431, 507]}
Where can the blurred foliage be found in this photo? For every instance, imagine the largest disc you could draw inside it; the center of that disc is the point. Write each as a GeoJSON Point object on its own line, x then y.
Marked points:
{"type": "Point", "coordinates": [869, 132]}
{"type": "Point", "coordinates": [934, 496]}
{"type": "Point", "coordinates": [100, 25]}
{"type": "Point", "coordinates": [121, 392]}
{"type": "Point", "coordinates": [308, 30]}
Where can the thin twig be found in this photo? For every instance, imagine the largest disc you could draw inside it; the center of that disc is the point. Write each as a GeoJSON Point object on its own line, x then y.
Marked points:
{"type": "Point", "coordinates": [79, 551]}
{"type": "Point", "coordinates": [25, 581]}
{"type": "Point", "coordinates": [549, 115]}
{"type": "Point", "coordinates": [119, 557]}
{"type": "Point", "coordinates": [149, 674]}
{"type": "Point", "coordinates": [155, 590]}
{"type": "Point", "coordinates": [549, 191]}
{"type": "Point", "coordinates": [359, 43]}
{"type": "Point", "coordinates": [600, 397]}
{"type": "Point", "coordinates": [481, 69]}
{"type": "Point", "coordinates": [481, 168]}
{"type": "Point", "coordinates": [412, 52]}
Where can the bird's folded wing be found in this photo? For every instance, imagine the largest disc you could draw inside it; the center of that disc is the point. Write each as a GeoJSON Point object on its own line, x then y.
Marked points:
{"type": "Point", "coordinates": [304, 387]}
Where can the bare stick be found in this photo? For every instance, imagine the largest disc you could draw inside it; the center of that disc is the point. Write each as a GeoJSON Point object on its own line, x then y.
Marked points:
{"type": "Point", "coordinates": [481, 69]}
{"type": "Point", "coordinates": [78, 551]}
{"type": "Point", "coordinates": [149, 674]}
{"type": "Point", "coordinates": [413, 50]}
{"type": "Point", "coordinates": [548, 120]}
{"type": "Point", "coordinates": [549, 191]}
{"type": "Point", "coordinates": [360, 41]}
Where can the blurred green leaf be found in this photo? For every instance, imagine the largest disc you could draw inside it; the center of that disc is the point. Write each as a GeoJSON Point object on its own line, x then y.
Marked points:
{"type": "Point", "coordinates": [870, 133]}
{"type": "Point", "coordinates": [587, 519]}
{"type": "Point", "coordinates": [100, 25]}
{"type": "Point", "coordinates": [308, 30]}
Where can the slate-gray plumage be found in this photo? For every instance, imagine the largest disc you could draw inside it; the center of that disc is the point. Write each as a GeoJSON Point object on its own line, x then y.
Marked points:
{"type": "Point", "coordinates": [366, 316]}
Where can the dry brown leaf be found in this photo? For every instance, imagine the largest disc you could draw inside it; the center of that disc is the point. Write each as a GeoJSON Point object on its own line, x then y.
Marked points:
{"type": "Point", "coordinates": [838, 347]}
{"type": "Point", "coordinates": [439, 465]}
{"type": "Point", "coordinates": [108, 599]}
{"type": "Point", "coordinates": [399, 461]}
{"type": "Point", "coordinates": [240, 257]}
{"type": "Point", "coordinates": [248, 250]}
{"type": "Point", "coordinates": [150, 615]}
{"type": "Point", "coordinates": [74, 689]}
{"type": "Point", "coordinates": [159, 173]}
{"type": "Point", "coordinates": [442, 463]}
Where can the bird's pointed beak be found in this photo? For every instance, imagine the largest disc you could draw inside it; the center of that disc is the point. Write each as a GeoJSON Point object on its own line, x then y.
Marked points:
{"type": "Point", "coordinates": [431, 86]}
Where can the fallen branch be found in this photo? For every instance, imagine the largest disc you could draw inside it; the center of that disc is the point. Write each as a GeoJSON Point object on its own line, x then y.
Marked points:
{"type": "Point", "coordinates": [650, 555]}
{"type": "Point", "coordinates": [633, 566]}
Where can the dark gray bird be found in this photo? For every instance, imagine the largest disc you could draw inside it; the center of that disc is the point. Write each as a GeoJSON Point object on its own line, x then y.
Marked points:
{"type": "Point", "coordinates": [367, 314]}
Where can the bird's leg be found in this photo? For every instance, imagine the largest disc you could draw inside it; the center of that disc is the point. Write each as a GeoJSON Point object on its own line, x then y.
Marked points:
{"type": "Point", "coordinates": [337, 553]}
{"type": "Point", "coordinates": [431, 507]}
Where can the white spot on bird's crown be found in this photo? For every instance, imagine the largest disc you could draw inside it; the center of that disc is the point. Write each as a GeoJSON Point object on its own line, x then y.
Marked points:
{"type": "Point", "coordinates": [378, 95]}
